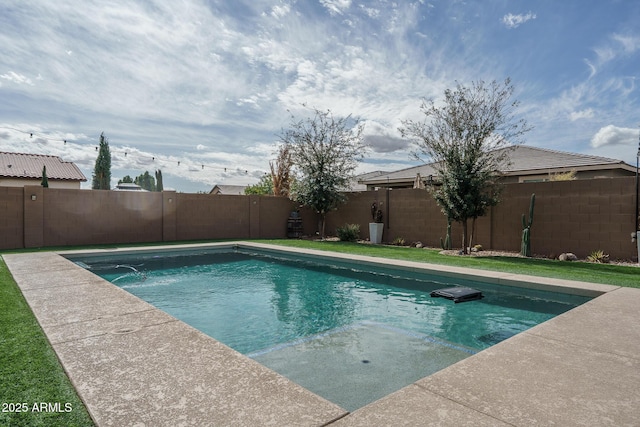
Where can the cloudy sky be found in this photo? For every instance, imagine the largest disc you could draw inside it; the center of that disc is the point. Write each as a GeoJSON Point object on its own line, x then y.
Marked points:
{"type": "Point", "coordinates": [201, 89]}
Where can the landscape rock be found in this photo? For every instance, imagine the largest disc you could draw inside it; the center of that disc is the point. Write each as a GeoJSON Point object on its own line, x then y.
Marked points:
{"type": "Point", "coordinates": [568, 256]}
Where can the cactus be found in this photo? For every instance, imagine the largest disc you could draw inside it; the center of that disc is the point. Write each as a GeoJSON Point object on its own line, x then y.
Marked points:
{"type": "Point", "coordinates": [525, 248]}
{"type": "Point", "coordinates": [446, 244]}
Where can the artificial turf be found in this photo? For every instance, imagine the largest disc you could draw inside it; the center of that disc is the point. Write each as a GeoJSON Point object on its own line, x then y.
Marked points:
{"type": "Point", "coordinates": [34, 389]}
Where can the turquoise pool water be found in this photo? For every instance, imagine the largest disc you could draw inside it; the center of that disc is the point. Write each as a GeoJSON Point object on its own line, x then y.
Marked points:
{"type": "Point", "coordinates": [350, 335]}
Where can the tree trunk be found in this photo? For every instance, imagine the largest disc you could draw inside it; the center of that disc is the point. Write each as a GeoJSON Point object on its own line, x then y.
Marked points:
{"type": "Point", "coordinates": [321, 225]}
{"type": "Point", "coordinates": [473, 232]}
{"type": "Point", "coordinates": [464, 237]}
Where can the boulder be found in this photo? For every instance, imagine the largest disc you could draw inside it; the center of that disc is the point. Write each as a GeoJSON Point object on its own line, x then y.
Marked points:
{"type": "Point", "coordinates": [567, 256]}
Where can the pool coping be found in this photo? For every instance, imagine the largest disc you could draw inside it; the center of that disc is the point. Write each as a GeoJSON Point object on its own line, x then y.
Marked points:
{"type": "Point", "coordinates": [579, 368]}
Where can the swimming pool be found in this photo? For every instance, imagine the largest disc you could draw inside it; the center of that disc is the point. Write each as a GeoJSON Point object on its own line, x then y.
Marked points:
{"type": "Point", "coordinates": [348, 332]}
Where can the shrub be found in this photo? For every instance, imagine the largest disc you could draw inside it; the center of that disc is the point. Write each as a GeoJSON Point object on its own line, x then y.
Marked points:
{"type": "Point", "coordinates": [598, 257]}
{"type": "Point", "coordinates": [348, 232]}
{"type": "Point", "coordinates": [399, 241]}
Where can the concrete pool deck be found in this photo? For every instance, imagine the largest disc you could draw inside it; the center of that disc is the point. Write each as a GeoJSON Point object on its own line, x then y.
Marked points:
{"type": "Point", "coordinates": [133, 364]}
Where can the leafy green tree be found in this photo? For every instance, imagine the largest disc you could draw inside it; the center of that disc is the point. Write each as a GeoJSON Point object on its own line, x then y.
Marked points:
{"type": "Point", "coordinates": [467, 136]}
{"type": "Point", "coordinates": [45, 180]}
{"type": "Point", "coordinates": [125, 180]}
{"type": "Point", "coordinates": [146, 181]}
{"type": "Point", "coordinates": [159, 184]}
{"type": "Point", "coordinates": [264, 187]}
{"type": "Point", "coordinates": [102, 169]}
{"type": "Point", "coordinates": [325, 151]}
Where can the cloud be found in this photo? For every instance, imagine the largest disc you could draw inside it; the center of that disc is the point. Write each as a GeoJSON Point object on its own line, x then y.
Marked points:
{"type": "Point", "coordinates": [628, 43]}
{"type": "Point", "coordinates": [16, 78]}
{"type": "Point", "coordinates": [196, 81]}
{"type": "Point", "coordinates": [592, 68]}
{"type": "Point", "coordinates": [336, 7]}
{"type": "Point", "coordinates": [205, 167]}
{"type": "Point", "coordinates": [616, 47]}
{"type": "Point", "coordinates": [584, 114]}
{"type": "Point", "coordinates": [370, 11]}
{"type": "Point", "coordinates": [381, 139]}
{"type": "Point", "coordinates": [280, 11]}
{"type": "Point", "coordinates": [514, 21]}
{"type": "Point", "coordinates": [613, 135]}
{"type": "Point", "coordinates": [385, 143]}
{"type": "Point", "coordinates": [605, 54]}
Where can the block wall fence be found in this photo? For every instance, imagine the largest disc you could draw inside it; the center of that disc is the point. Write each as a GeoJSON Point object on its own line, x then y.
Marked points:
{"type": "Point", "coordinates": [574, 216]}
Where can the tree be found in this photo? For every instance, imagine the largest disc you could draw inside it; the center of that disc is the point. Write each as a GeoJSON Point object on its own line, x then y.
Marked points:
{"type": "Point", "coordinates": [125, 180]}
{"type": "Point", "coordinates": [102, 169]}
{"type": "Point", "coordinates": [325, 151]}
{"type": "Point", "coordinates": [45, 180]}
{"type": "Point", "coordinates": [264, 187]}
{"type": "Point", "coordinates": [146, 181]}
{"type": "Point", "coordinates": [468, 139]}
{"type": "Point", "coordinates": [281, 171]}
{"type": "Point", "coordinates": [159, 184]}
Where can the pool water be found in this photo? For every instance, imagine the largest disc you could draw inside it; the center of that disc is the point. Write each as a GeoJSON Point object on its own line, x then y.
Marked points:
{"type": "Point", "coordinates": [349, 335]}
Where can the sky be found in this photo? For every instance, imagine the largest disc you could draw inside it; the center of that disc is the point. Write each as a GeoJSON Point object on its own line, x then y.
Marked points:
{"type": "Point", "coordinates": [202, 89]}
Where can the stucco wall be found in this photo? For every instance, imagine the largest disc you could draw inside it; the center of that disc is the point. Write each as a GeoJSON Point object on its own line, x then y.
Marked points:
{"type": "Point", "coordinates": [11, 217]}
{"type": "Point", "coordinates": [577, 216]}
{"type": "Point", "coordinates": [34, 216]}
{"type": "Point", "coordinates": [573, 216]}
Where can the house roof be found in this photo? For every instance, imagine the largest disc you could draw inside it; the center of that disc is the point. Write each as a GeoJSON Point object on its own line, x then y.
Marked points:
{"type": "Point", "coordinates": [525, 160]}
{"type": "Point", "coordinates": [355, 183]}
{"type": "Point", "coordinates": [228, 189]}
{"type": "Point", "coordinates": [402, 175]}
{"type": "Point", "coordinates": [21, 165]}
{"type": "Point", "coordinates": [537, 160]}
{"type": "Point", "coordinates": [128, 186]}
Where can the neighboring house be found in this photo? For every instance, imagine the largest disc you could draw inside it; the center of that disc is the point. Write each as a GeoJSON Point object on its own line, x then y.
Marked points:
{"type": "Point", "coordinates": [129, 186]}
{"type": "Point", "coordinates": [228, 189]}
{"type": "Point", "coordinates": [356, 183]}
{"type": "Point", "coordinates": [20, 169]}
{"type": "Point", "coordinates": [528, 164]}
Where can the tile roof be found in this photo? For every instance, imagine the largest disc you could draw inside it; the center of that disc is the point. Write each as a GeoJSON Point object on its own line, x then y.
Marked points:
{"type": "Point", "coordinates": [21, 165]}
{"type": "Point", "coordinates": [524, 160]}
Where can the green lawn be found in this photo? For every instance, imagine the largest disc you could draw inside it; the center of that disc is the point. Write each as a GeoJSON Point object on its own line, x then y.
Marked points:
{"type": "Point", "coordinates": [30, 373]}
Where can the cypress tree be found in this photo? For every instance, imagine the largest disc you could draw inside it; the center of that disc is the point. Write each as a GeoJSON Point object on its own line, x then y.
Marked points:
{"type": "Point", "coordinates": [45, 180]}
{"type": "Point", "coordinates": [102, 170]}
{"type": "Point", "coordinates": [159, 185]}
